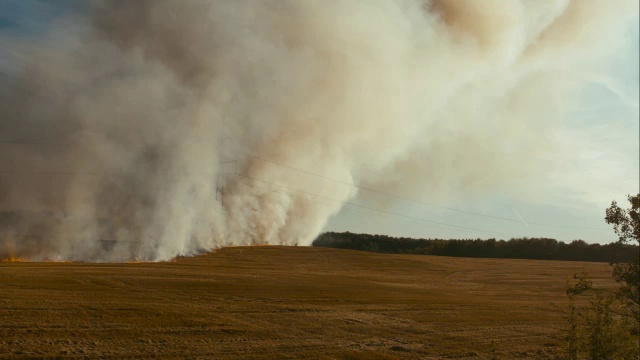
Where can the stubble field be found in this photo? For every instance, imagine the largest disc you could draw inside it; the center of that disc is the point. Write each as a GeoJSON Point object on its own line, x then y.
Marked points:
{"type": "Point", "coordinates": [277, 302]}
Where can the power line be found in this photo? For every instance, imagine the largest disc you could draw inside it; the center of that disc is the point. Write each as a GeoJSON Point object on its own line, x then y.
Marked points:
{"type": "Point", "coordinates": [378, 210]}
{"type": "Point", "coordinates": [323, 203]}
{"type": "Point", "coordinates": [419, 201]}
{"type": "Point", "coordinates": [327, 178]}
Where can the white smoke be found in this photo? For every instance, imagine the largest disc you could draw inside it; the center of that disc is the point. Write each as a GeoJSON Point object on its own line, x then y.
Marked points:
{"type": "Point", "coordinates": [138, 110]}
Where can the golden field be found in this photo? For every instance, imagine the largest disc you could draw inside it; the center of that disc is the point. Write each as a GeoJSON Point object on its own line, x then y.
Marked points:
{"type": "Point", "coordinates": [273, 302]}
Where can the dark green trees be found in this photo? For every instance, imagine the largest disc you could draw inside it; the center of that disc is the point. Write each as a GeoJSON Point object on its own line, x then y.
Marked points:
{"type": "Point", "coordinates": [626, 223]}
{"type": "Point", "coordinates": [607, 327]}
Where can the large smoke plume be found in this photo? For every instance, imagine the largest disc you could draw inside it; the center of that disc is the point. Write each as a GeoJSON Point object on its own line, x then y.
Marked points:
{"type": "Point", "coordinates": [126, 122]}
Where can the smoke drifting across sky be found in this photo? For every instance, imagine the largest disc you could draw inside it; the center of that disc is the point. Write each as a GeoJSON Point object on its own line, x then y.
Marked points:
{"type": "Point", "coordinates": [126, 115]}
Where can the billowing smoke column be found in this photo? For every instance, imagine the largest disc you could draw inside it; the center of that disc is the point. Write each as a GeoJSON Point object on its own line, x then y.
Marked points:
{"type": "Point", "coordinates": [144, 130]}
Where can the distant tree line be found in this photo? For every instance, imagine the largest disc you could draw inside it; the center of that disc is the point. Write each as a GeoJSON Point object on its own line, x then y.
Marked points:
{"type": "Point", "coordinates": [518, 248]}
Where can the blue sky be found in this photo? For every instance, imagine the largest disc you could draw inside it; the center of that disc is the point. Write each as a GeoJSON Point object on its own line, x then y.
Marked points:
{"type": "Point", "coordinates": [33, 16]}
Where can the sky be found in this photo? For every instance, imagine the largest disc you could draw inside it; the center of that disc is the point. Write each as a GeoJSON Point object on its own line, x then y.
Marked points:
{"type": "Point", "coordinates": [599, 163]}
{"type": "Point", "coordinates": [597, 159]}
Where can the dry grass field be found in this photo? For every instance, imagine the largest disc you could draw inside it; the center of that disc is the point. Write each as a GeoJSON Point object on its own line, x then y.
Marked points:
{"type": "Point", "coordinates": [286, 303]}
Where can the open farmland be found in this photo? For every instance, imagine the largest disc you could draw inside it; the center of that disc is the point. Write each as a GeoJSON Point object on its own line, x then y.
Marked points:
{"type": "Point", "coordinates": [286, 302]}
